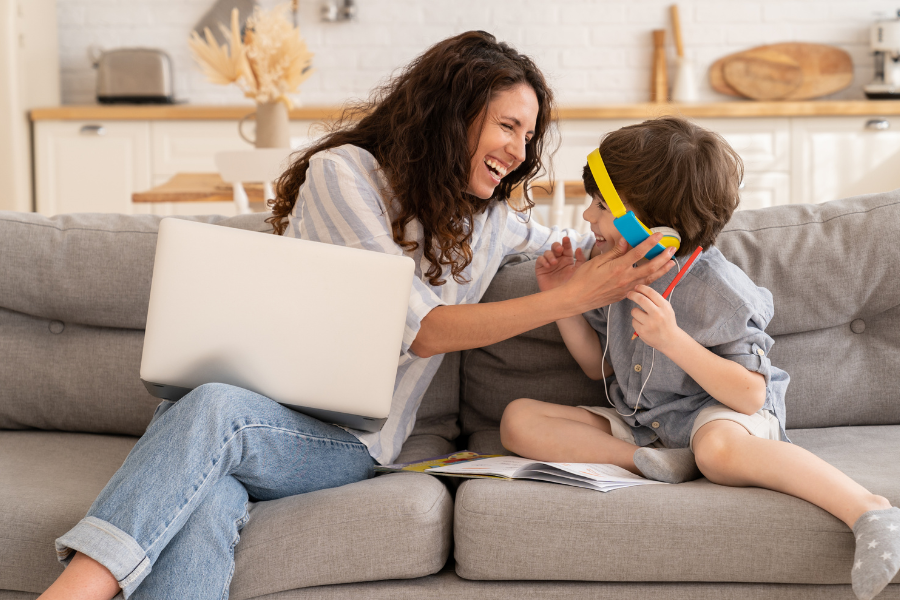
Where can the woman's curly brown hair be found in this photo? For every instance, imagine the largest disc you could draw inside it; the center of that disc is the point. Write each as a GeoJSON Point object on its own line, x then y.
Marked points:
{"type": "Point", "coordinates": [417, 127]}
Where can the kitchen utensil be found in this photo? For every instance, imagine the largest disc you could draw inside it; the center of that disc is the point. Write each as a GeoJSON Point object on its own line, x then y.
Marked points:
{"type": "Point", "coordinates": [685, 87]}
{"type": "Point", "coordinates": [824, 69]}
{"type": "Point", "coordinates": [134, 75]}
{"type": "Point", "coordinates": [766, 75]}
{"type": "Point", "coordinates": [659, 85]}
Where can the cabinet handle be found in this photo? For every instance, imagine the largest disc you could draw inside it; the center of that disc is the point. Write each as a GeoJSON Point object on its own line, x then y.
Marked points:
{"type": "Point", "coordinates": [878, 124]}
{"type": "Point", "coordinates": [92, 130]}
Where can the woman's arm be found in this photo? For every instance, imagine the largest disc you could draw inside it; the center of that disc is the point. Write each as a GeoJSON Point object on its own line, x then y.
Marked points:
{"type": "Point", "coordinates": [599, 282]}
{"type": "Point", "coordinates": [725, 380]}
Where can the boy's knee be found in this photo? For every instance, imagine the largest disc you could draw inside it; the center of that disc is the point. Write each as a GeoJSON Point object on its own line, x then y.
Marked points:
{"type": "Point", "coordinates": [713, 448]}
{"type": "Point", "coordinates": [514, 415]}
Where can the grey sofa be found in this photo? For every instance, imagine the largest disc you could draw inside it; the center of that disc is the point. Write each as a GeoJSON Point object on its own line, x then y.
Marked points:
{"type": "Point", "coordinates": [73, 300]}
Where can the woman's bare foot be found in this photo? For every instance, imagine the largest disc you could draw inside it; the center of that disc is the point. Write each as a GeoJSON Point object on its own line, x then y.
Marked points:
{"type": "Point", "coordinates": [83, 579]}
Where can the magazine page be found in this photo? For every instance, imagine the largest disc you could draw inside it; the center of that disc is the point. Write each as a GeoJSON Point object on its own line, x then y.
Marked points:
{"type": "Point", "coordinates": [502, 466]}
{"type": "Point", "coordinates": [438, 461]}
{"type": "Point", "coordinates": [604, 473]}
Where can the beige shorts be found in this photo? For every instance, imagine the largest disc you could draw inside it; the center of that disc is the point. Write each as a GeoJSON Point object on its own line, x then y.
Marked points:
{"type": "Point", "coordinates": [762, 424]}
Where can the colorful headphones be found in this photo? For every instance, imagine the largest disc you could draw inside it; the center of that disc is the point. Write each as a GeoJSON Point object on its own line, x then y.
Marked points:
{"type": "Point", "coordinates": [627, 223]}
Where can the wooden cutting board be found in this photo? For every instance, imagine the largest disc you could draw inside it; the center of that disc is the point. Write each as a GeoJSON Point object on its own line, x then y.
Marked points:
{"type": "Point", "coordinates": [771, 72]}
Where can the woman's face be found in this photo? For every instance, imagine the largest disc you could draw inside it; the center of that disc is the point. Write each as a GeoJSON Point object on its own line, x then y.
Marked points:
{"type": "Point", "coordinates": [509, 124]}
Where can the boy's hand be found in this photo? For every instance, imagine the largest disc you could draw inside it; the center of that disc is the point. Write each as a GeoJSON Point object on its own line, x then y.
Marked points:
{"type": "Point", "coordinates": [557, 265]}
{"type": "Point", "coordinates": [654, 320]}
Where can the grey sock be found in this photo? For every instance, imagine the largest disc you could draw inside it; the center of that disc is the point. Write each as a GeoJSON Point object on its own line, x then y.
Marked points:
{"type": "Point", "coordinates": [877, 557]}
{"type": "Point", "coordinates": [672, 466]}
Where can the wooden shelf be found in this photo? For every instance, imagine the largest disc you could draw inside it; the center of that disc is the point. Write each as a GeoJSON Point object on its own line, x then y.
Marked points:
{"type": "Point", "coordinates": [738, 108]}
{"type": "Point", "coordinates": [168, 112]}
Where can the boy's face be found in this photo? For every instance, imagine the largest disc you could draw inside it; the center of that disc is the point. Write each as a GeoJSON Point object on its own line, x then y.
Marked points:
{"type": "Point", "coordinates": [601, 220]}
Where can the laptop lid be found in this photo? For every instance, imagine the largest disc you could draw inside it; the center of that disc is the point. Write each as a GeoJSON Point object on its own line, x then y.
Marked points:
{"type": "Point", "coordinates": [314, 326]}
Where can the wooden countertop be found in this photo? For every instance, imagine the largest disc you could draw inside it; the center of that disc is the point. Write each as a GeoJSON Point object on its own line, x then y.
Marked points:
{"type": "Point", "coordinates": [741, 108]}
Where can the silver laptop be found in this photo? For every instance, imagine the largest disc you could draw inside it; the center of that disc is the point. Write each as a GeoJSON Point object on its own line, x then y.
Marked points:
{"type": "Point", "coordinates": [316, 327]}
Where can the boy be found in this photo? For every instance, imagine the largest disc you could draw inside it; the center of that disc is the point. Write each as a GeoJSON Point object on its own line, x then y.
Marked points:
{"type": "Point", "coordinates": [710, 391]}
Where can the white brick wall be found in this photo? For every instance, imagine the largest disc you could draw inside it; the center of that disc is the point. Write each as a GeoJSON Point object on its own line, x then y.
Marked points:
{"type": "Point", "coordinates": [593, 51]}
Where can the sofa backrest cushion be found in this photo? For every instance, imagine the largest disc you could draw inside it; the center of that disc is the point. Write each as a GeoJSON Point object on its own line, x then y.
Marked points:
{"type": "Point", "coordinates": [74, 291]}
{"type": "Point", "coordinates": [834, 272]}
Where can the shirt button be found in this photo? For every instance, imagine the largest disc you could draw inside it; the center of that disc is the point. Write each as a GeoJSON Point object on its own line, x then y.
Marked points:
{"type": "Point", "coordinates": [761, 352]}
{"type": "Point", "coordinates": [655, 424]}
{"type": "Point", "coordinates": [637, 368]}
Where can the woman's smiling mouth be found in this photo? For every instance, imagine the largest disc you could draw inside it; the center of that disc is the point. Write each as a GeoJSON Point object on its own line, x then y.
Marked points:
{"type": "Point", "coordinates": [495, 168]}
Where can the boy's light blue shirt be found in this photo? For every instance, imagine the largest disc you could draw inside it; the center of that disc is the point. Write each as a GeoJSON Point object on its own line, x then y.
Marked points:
{"type": "Point", "coordinates": [343, 202]}
{"type": "Point", "coordinates": [717, 305]}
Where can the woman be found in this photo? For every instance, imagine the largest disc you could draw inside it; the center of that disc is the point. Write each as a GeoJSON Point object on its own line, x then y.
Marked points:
{"type": "Point", "coordinates": [426, 172]}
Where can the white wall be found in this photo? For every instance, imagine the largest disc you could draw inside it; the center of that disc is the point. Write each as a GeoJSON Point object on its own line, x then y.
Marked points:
{"type": "Point", "coordinates": [593, 51]}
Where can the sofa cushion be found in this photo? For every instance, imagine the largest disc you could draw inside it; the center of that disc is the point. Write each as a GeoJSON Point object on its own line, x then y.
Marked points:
{"type": "Point", "coordinates": [395, 526]}
{"type": "Point", "coordinates": [71, 377]}
{"type": "Point", "coordinates": [48, 481]}
{"type": "Point", "coordinates": [534, 530]}
{"type": "Point", "coordinates": [836, 283]}
{"type": "Point", "coordinates": [438, 412]}
{"type": "Point", "coordinates": [93, 269]}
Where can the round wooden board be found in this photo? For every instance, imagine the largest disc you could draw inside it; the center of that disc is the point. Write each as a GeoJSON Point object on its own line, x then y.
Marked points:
{"type": "Point", "coordinates": [825, 70]}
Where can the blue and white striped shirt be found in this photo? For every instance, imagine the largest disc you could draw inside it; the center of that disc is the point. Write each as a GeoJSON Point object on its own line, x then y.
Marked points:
{"type": "Point", "coordinates": [342, 202]}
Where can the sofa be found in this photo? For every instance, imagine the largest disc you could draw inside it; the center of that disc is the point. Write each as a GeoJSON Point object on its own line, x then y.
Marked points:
{"type": "Point", "coordinates": [73, 301]}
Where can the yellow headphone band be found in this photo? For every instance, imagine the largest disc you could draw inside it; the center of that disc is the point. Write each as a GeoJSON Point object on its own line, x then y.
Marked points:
{"type": "Point", "coordinates": [605, 184]}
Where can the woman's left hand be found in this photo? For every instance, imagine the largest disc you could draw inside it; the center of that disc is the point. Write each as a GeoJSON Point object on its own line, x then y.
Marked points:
{"type": "Point", "coordinates": [654, 320]}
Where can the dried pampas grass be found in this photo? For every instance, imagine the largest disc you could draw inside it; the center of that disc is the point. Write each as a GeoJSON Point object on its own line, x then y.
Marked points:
{"type": "Point", "coordinates": [270, 62]}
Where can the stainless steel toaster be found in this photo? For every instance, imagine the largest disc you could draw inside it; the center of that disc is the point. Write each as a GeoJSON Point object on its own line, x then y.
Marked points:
{"type": "Point", "coordinates": [140, 75]}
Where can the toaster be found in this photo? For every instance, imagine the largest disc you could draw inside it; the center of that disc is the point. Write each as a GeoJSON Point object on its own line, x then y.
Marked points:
{"type": "Point", "coordinates": [136, 75]}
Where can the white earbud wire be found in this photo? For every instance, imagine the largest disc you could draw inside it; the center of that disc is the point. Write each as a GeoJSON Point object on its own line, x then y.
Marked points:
{"type": "Point", "coordinates": [652, 361]}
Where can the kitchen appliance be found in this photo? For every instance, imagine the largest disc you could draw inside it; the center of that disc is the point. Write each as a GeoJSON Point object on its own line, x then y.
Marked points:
{"type": "Point", "coordinates": [884, 39]}
{"type": "Point", "coordinates": [134, 75]}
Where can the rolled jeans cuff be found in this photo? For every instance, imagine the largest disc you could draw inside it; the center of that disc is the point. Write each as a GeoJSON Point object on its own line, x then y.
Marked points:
{"type": "Point", "coordinates": [109, 546]}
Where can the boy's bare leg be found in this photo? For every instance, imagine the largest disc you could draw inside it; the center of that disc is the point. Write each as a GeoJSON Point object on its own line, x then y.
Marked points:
{"type": "Point", "coordinates": [555, 433]}
{"type": "Point", "coordinates": [728, 455]}
{"type": "Point", "coordinates": [83, 579]}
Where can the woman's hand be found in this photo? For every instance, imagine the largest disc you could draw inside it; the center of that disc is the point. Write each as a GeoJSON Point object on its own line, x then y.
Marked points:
{"type": "Point", "coordinates": [654, 319]}
{"type": "Point", "coordinates": [607, 278]}
{"type": "Point", "coordinates": [557, 264]}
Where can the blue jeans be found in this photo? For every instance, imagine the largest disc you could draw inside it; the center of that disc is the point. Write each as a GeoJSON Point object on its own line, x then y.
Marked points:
{"type": "Point", "coordinates": [167, 522]}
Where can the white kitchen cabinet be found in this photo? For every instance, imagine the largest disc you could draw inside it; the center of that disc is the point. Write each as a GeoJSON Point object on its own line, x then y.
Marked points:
{"type": "Point", "coordinates": [90, 166]}
{"type": "Point", "coordinates": [97, 166]}
{"type": "Point", "coordinates": [840, 157]}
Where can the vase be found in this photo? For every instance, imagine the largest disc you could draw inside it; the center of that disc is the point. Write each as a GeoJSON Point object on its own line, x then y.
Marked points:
{"type": "Point", "coordinates": [272, 126]}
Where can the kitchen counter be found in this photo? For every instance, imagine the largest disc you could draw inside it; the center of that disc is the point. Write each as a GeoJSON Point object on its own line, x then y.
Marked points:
{"type": "Point", "coordinates": [740, 108]}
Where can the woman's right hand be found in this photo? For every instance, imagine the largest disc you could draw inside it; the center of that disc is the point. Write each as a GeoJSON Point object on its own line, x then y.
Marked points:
{"type": "Point", "coordinates": [608, 277]}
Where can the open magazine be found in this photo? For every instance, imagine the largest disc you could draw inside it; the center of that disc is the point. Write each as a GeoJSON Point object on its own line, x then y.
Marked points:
{"type": "Point", "coordinates": [600, 477]}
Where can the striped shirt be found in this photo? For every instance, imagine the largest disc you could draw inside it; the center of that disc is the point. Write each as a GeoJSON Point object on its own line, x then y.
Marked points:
{"type": "Point", "coordinates": [342, 202]}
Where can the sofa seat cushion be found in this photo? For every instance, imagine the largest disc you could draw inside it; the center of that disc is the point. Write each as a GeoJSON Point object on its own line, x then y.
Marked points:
{"type": "Point", "coordinates": [695, 531]}
{"type": "Point", "coordinates": [395, 526]}
{"type": "Point", "coordinates": [392, 527]}
{"type": "Point", "coordinates": [48, 480]}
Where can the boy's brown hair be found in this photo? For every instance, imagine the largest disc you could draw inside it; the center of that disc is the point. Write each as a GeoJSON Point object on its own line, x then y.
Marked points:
{"type": "Point", "coordinates": [673, 173]}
